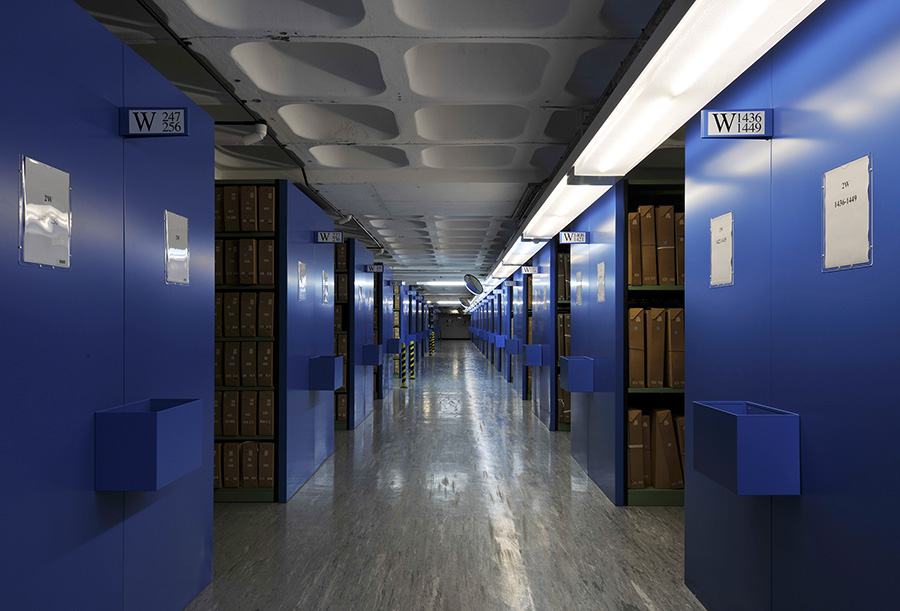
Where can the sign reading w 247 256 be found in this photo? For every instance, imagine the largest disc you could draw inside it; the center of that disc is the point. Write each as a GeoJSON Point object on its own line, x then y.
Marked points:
{"type": "Point", "coordinates": [153, 121]}
{"type": "Point", "coordinates": [755, 123]}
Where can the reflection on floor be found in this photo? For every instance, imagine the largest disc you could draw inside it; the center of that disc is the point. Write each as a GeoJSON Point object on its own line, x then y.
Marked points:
{"type": "Point", "coordinates": [451, 496]}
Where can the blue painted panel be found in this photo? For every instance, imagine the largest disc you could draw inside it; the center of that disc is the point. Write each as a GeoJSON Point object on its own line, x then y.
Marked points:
{"type": "Point", "coordinates": [386, 325]}
{"type": "Point", "coordinates": [362, 332]}
{"type": "Point", "coordinates": [305, 417]}
{"type": "Point", "coordinates": [576, 374]}
{"type": "Point", "coordinates": [544, 315]}
{"type": "Point", "coordinates": [727, 548]}
{"type": "Point", "coordinates": [62, 541]}
{"type": "Point", "coordinates": [519, 322]}
{"type": "Point", "coordinates": [326, 372]}
{"type": "Point", "coordinates": [168, 352]}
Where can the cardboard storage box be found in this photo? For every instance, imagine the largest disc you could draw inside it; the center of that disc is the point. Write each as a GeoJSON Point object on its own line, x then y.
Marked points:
{"type": "Point", "coordinates": [220, 261]}
{"type": "Point", "coordinates": [248, 208]}
{"type": "Point", "coordinates": [248, 413]}
{"type": "Point", "coordinates": [231, 465]}
{"type": "Point", "coordinates": [217, 323]}
{"type": "Point", "coordinates": [679, 248]}
{"type": "Point", "coordinates": [217, 413]}
{"type": "Point", "coordinates": [248, 364]}
{"type": "Point", "coordinates": [664, 451]}
{"type": "Point", "coordinates": [338, 317]}
{"type": "Point", "coordinates": [218, 364]}
{"type": "Point", "coordinates": [231, 410]}
{"type": "Point", "coordinates": [248, 314]}
{"type": "Point", "coordinates": [265, 363]}
{"type": "Point", "coordinates": [656, 347]}
{"type": "Point", "coordinates": [340, 256]}
{"type": "Point", "coordinates": [265, 409]}
{"type": "Point", "coordinates": [266, 459]}
{"type": "Point", "coordinates": [648, 463]}
{"type": "Point", "coordinates": [231, 314]}
{"type": "Point", "coordinates": [635, 449]}
{"type": "Point", "coordinates": [232, 365]}
{"type": "Point", "coordinates": [265, 315]}
{"type": "Point", "coordinates": [665, 245]}
{"type": "Point", "coordinates": [679, 433]}
{"type": "Point", "coordinates": [635, 272]}
{"type": "Point", "coordinates": [674, 374]}
{"type": "Point", "coordinates": [341, 346]}
{"type": "Point", "coordinates": [217, 465]}
{"type": "Point", "coordinates": [648, 244]}
{"type": "Point", "coordinates": [232, 265]}
{"type": "Point", "coordinates": [249, 466]}
{"type": "Point", "coordinates": [340, 407]}
{"type": "Point", "coordinates": [266, 261]}
{"type": "Point", "coordinates": [637, 376]}
{"type": "Point", "coordinates": [220, 209]}
{"type": "Point", "coordinates": [265, 203]}
{"type": "Point", "coordinates": [341, 287]}
{"type": "Point", "coordinates": [231, 207]}
{"type": "Point", "coordinates": [247, 262]}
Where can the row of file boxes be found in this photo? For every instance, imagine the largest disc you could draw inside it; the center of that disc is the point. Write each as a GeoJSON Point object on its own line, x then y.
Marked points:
{"type": "Point", "coordinates": [245, 314]}
{"type": "Point", "coordinates": [244, 364]}
{"type": "Point", "coordinates": [656, 246]}
{"type": "Point", "coordinates": [245, 261]}
{"type": "Point", "coordinates": [245, 208]}
{"type": "Point", "coordinates": [245, 413]}
{"type": "Point", "coordinates": [655, 449]}
{"type": "Point", "coordinates": [656, 348]}
{"type": "Point", "coordinates": [247, 464]}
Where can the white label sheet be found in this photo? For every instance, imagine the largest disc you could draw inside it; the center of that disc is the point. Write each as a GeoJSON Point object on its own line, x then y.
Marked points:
{"type": "Point", "coordinates": [721, 231]}
{"type": "Point", "coordinates": [846, 215]}
{"type": "Point", "coordinates": [178, 252]}
{"type": "Point", "coordinates": [46, 214]}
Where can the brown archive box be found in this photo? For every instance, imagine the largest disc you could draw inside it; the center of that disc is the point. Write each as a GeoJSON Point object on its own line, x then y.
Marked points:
{"type": "Point", "coordinates": [637, 374]}
{"type": "Point", "coordinates": [338, 317]}
{"type": "Point", "coordinates": [529, 290]}
{"type": "Point", "coordinates": [266, 261]}
{"type": "Point", "coordinates": [656, 347]}
{"type": "Point", "coordinates": [568, 335]}
{"type": "Point", "coordinates": [231, 368]}
{"type": "Point", "coordinates": [266, 209]}
{"type": "Point", "coordinates": [265, 363]}
{"type": "Point", "coordinates": [340, 407]}
{"type": "Point", "coordinates": [217, 322]}
{"type": "Point", "coordinates": [231, 412]}
{"type": "Point", "coordinates": [220, 261]}
{"type": "Point", "coordinates": [340, 256]}
{"type": "Point", "coordinates": [679, 433]}
{"type": "Point", "coordinates": [248, 364]}
{"type": "Point", "coordinates": [635, 449]}
{"type": "Point", "coordinates": [231, 314]}
{"type": "Point", "coordinates": [231, 465]}
{"type": "Point", "coordinates": [265, 315]}
{"type": "Point", "coordinates": [217, 465]}
{"type": "Point", "coordinates": [231, 208]}
{"type": "Point", "coordinates": [266, 459]}
{"type": "Point", "coordinates": [265, 407]}
{"type": "Point", "coordinates": [248, 314]}
{"type": "Point", "coordinates": [679, 248]}
{"type": "Point", "coordinates": [561, 334]}
{"type": "Point", "coordinates": [220, 209]}
{"type": "Point", "coordinates": [218, 353]}
{"type": "Point", "coordinates": [248, 413]}
{"type": "Point", "coordinates": [232, 265]}
{"type": "Point", "coordinates": [635, 277]}
{"type": "Point", "coordinates": [674, 374]}
{"type": "Point", "coordinates": [560, 276]}
{"type": "Point", "coordinates": [664, 451]}
{"type": "Point", "coordinates": [665, 245]}
{"type": "Point", "coordinates": [217, 412]}
{"type": "Point", "coordinates": [248, 208]}
{"type": "Point", "coordinates": [249, 465]}
{"type": "Point", "coordinates": [341, 287]}
{"type": "Point", "coordinates": [342, 346]}
{"type": "Point", "coordinates": [648, 463]}
{"type": "Point", "coordinates": [648, 244]}
{"type": "Point", "coordinates": [247, 261]}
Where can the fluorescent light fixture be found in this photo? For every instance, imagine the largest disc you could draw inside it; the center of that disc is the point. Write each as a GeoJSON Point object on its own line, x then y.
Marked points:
{"type": "Point", "coordinates": [561, 207]}
{"type": "Point", "coordinates": [447, 302]}
{"type": "Point", "coordinates": [713, 44]}
{"type": "Point", "coordinates": [443, 283]}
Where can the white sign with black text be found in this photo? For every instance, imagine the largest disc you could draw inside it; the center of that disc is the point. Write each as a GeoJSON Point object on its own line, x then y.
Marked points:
{"type": "Point", "coordinates": [847, 215]}
{"type": "Point", "coordinates": [721, 231]}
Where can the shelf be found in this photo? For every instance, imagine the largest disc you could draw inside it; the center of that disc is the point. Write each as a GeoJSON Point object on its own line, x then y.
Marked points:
{"type": "Point", "coordinates": [223, 388]}
{"type": "Point", "coordinates": [341, 332]}
{"type": "Point", "coordinates": [223, 338]}
{"type": "Point", "coordinates": [237, 438]}
{"type": "Point", "coordinates": [341, 302]}
{"type": "Point", "coordinates": [343, 270]}
{"type": "Point", "coordinates": [244, 495]}
{"type": "Point", "coordinates": [656, 391]}
{"type": "Point", "coordinates": [652, 497]}
{"type": "Point", "coordinates": [341, 425]}
{"type": "Point", "coordinates": [657, 287]}
{"type": "Point", "coordinates": [245, 234]}
{"type": "Point", "coordinates": [245, 287]}
{"type": "Point", "coordinates": [564, 426]}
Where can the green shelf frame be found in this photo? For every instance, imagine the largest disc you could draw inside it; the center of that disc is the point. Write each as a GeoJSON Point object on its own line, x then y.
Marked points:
{"type": "Point", "coordinates": [657, 287]}
{"type": "Point", "coordinates": [341, 425]}
{"type": "Point", "coordinates": [656, 391]}
{"type": "Point", "coordinates": [652, 497]}
{"type": "Point", "coordinates": [244, 495]}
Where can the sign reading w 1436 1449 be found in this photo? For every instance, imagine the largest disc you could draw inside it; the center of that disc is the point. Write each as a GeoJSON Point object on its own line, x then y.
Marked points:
{"type": "Point", "coordinates": [755, 123]}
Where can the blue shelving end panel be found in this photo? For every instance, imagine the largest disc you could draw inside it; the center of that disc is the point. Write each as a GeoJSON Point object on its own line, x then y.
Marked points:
{"type": "Point", "coordinates": [326, 372]}
{"type": "Point", "coordinates": [392, 345]}
{"type": "Point", "coordinates": [371, 355]}
{"type": "Point", "coordinates": [748, 448]}
{"type": "Point", "coordinates": [576, 373]}
{"type": "Point", "coordinates": [146, 445]}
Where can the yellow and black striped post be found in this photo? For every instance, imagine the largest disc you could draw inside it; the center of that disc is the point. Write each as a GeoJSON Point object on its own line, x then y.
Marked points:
{"type": "Point", "coordinates": [402, 366]}
{"type": "Point", "coordinates": [431, 343]}
{"type": "Point", "coordinates": [412, 360]}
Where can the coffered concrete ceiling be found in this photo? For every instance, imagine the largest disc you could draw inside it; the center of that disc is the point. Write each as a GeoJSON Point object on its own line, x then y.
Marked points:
{"type": "Point", "coordinates": [432, 122]}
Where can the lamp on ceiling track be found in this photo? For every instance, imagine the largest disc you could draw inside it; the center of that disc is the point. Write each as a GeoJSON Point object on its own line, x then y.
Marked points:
{"type": "Point", "coordinates": [257, 135]}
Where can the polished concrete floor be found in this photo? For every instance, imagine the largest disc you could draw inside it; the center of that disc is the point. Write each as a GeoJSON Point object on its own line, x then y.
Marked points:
{"type": "Point", "coordinates": [452, 496]}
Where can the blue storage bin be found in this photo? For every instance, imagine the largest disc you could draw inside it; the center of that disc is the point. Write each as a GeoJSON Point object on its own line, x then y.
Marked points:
{"type": "Point", "coordinates": [534, 355]}
{"type": "Point", "coordinates": [500, 340]}
{"type": "Point", "coordinates": [326, 372]}
{"type": "Point", "coordinates": [576, 373]}
{"type": "Point", "coordinates": [748, 448]}
{"type": "Point", "coordinates": [148, 444]}
{"type": "Point", "coordinates": [393, 346]}
{"type": "Point", "coordinates": [372, 355]}
{"type": "Point", "coordinates": [514, 346]}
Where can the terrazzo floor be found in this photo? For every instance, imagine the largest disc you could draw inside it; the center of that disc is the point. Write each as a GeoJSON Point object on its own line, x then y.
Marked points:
{"type": "Point", "coordinates": [451, 496]}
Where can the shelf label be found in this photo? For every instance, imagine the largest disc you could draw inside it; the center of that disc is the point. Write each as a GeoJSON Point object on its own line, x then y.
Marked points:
{"type": "Point", "coordinates": [178, 252]}
{"type": "Point", "coordinates": [601, 282]}
{"type": "Point", "coordinates": [46, 215]}
{"type": "Point", "coordinates": [756, 123]}
{"type": "Point", "coordinates": [375, 269]}
{"type": "Point", "coordinates": [847, 216]}
{"type": "Point", "coordinates": [573, 237]}
{"type": "Point", "coordinates": [530, 270]}
{"type": "Point", "coordinates": [325, 287]}
{"type": "Point", "coordinates": [301, 281]}
{"type": "Point", "coordinates": [153, 122]}
{"type": "Point", "coordinates": [329, 237]}
{"type": "Point", "coordinates": [721, 232]}
{"type": "Point", "coordinates": [509, 283]}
